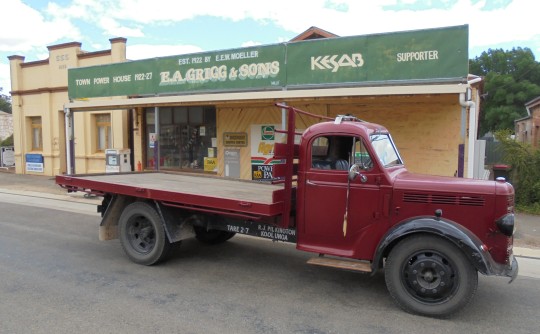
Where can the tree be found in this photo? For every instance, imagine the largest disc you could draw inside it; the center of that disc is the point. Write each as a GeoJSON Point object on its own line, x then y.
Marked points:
{"type": "Point", "coordinates": [512, 78]}
{"type": "Point", "coordinates": [5, 102]}
{"type": "Point", "coordinates": [7, 142]}
{"type": "Point", "coordinates": [525, 162]}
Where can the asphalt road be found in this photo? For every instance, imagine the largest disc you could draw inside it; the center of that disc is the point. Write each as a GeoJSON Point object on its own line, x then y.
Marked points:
{"type": "Point", "coordinates": [57, 277]}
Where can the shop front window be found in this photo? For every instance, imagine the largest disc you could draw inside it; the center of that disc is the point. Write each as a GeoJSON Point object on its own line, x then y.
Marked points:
{"type": "Point", "coordinates": [187, 137]}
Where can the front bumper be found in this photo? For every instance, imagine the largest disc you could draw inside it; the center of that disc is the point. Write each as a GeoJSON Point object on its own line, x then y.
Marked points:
{"type": "Point", "coordinates": [512, 270]}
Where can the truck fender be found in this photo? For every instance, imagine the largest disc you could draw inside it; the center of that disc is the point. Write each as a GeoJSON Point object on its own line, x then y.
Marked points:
{"type": "Point", "coordinates": [460, 236]}
{"type": "Point", "coordinates": [111, 209]}
{"type": "Point", "coordinates": [176, 227]}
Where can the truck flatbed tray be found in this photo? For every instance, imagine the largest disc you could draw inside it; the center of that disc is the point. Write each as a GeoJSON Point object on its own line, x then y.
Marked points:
{"type": "Point", "coordinates": [194, 191]}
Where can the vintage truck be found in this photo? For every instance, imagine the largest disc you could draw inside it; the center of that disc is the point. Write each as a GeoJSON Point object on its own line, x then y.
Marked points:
{"type": "Point", "coordinates": [342, 193]}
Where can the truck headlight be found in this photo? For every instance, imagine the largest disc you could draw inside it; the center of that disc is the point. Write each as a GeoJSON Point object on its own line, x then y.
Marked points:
{"type": "Point", "coordinates": [506, 224]}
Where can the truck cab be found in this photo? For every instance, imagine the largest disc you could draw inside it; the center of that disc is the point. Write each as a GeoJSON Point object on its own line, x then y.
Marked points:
{"type": "Point", "coordinates": [431, 234]}
{"type": "Point", "coordinates": [326, 194]}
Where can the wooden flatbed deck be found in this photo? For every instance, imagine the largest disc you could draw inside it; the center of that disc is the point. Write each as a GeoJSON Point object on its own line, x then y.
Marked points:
{"type": "Point", "coordinates": [189, 190]}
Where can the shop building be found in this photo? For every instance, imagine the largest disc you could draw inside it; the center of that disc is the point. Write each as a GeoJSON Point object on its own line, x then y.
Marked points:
{"type": "Point", "coordinates": [39, 91]}
{"type": "Point", "coordinates": [214, 112]}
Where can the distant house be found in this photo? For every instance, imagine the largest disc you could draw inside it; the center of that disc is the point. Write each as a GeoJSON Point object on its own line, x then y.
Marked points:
{"type": "Point", "coordinates": [6, 125]}
{"type": "Point", "coordinates": [528, 128]}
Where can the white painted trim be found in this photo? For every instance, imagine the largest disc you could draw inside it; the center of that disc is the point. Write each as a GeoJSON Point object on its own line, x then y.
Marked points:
{"type": "Point", "coordinates": [123, 103]}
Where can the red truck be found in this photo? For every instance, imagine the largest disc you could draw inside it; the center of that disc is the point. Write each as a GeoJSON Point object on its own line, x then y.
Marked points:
{"type": "Point", "coordinates": [342, 193]}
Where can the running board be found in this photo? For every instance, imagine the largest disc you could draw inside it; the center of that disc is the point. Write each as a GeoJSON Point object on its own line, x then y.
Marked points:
{"type": "Point", "coordinates": [341, 264]}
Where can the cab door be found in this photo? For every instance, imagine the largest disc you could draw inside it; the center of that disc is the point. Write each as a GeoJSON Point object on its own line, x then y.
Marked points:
{"type": "Point", "coordinates": [323, 227]}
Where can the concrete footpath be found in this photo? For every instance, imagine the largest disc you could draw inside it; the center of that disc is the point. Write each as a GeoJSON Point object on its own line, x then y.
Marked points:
{"type": "Point", "coordinates": [526, 239]}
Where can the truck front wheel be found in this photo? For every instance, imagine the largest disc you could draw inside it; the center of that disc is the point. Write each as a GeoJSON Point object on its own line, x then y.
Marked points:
{"type": "Point", "coordinates": [142, 235]}
{"type": "Point", "coordinates": [430, 276]}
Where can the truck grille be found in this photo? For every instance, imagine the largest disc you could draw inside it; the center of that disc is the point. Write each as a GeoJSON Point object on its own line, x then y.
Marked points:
{"type": "Point", "coordinates": [510, 204]}
{"type": "Point", "coordinates": [443, 199]}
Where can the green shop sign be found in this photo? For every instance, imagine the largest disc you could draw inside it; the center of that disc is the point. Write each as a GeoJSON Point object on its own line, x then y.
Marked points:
{"type": "Point", "coordinates": [237, 69]}
{"type": "Point", "coordinates": [402, 56]}
{"type": "Point", "coordinates": [415, 55]}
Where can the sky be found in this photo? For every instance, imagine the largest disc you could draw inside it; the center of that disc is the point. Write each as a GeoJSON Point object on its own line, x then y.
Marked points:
{"type": "Point", "coordinates": [157, 28]}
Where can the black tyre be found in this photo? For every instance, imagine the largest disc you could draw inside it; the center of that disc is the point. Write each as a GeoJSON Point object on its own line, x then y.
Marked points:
{"type": "Point", "coordinates": [212, 237]}
{"type": "Point", "coordinates": [430, 276]}
{"type": "Point", "coordinates": [142, 235]}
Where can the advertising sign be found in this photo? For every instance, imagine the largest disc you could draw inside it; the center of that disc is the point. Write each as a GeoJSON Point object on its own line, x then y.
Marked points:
{"type": "Point", "coordinates": [210, 164]}
{"type": "Point", "coordinates": [411, 55]}
{"type": "Point", "coordinates": [440, 53]}
{"type": "Point", "coordinates": [262, 151]}
{"type": "Point", "coordinates": [235, 139]}
{"type": "Point", "coordinates": [7, 157]}
{"type": "Point", "coordinates": [250, 68]}
{"type": "Point", "coordinates": [34, 162]}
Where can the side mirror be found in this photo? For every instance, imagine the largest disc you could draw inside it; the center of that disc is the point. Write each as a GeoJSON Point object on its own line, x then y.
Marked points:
{"type": "Point", "coordinates": [354, 171]}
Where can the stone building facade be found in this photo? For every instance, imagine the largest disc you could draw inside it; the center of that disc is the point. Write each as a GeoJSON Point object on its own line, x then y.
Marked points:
{"type": "Point", "coordinates": [6, 125]}
{"type": "Point", "coordinates": [39, 91]}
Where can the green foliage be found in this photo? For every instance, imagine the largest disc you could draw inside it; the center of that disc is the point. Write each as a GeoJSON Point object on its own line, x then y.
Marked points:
{"type": "Point", "coordinates": [7, 142]}
{"type": "Point", "coordinates": [512, 78]}
{"type": "Point", "coordinates": [533, 209]}
{"type": "Point", "coordinates": [525, 162]}
{"type": "Point", "coordinates": [5, 102]}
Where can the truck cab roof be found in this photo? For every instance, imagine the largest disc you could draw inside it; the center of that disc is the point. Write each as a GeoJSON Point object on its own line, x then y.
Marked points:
{"type": "Point", "coordinates": [345, 126]}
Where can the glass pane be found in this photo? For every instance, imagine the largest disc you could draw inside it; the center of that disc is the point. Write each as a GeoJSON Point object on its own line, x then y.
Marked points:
{"type": "Point", "coordinates": [361, 155]}
{"type": "Point", "coordinates": [103, 118]}
{"type": "Point", "coordinates": [108, 139]}
{"type": "Point", "coordinates": [101, 139]}
{"type": "Point", "coordinates": [195, 115]}
{"type": "Point", "coordinates": [385, 150]}
{"type": "Point", "coordinates": [150, 118]}
{"type": "Point", "coordinates": [165, 115]}
{"type": "Point", "coordinates": [320, 147]}
{"type": "Point", "coordinates": [36, 138]}
{"type": "Point", "coordinates": [319, 153]}
{"type": "Point", "coordinates": [180, 115]}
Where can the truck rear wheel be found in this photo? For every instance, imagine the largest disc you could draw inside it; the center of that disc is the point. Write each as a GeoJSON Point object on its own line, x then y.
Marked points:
{"type": "Point", "coordinates": [212, 237]}
{"type": "Point", "coordinates": [142, 235]}
{"type": "Point", "coordinates": [430, 276]}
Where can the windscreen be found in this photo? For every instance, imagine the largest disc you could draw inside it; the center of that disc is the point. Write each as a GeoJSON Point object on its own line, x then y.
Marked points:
{"type": "Point", "coordinates": [385, 150]}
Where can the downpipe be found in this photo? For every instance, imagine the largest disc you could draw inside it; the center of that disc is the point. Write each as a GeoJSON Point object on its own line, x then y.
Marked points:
{"type": "Point", "coordinates": [472, 127]}
{"type": "Point", "coordinates": [69, 141]}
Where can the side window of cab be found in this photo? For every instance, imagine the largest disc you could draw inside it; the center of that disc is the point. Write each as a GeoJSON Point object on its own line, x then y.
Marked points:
{"type": "Point", "coordinates": [319, 153]}
{"type": "Point", "coordinates": [362, 157]}
{"type": "Point", "coordinates": [336, 152]}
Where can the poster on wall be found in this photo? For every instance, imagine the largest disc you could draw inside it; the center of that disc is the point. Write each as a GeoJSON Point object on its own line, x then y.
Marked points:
{"type": "Point", "coordinates": [7, 157]}
{"type": "Point", "coordinates": [152, 140]}
{"type": "Point", "coordinates": [232, 163]}
{"type": "Point", "coordinates": [34, 163]}
{"type": "Point", "coordinates": [210, 164]}
{"type": "Point", "coordinates": [263, 139]}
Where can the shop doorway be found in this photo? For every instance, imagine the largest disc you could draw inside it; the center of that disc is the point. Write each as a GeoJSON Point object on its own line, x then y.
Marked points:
{"type": "Point", "coordinates": [185, 138]}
